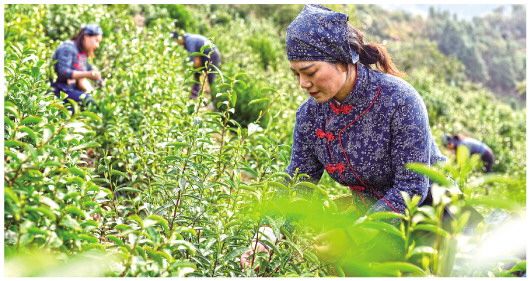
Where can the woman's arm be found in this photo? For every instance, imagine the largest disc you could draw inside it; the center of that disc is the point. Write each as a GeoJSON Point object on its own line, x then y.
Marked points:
{"type": "Point", "coordinates": [92, 75]}
{"type": "Point", "coordinates": [303, 156]}
{"type": "Point", "coordinates": [84, 85]}
{"type": "Point", "coordinates": [410, 142]}
{"type": "Point", "coordinates": [64, 59]}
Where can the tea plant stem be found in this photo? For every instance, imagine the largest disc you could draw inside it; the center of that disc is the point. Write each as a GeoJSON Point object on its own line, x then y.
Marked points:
{"type": "Point", "coordinates": [201, 91]}
{"type": "Point", "coordinates": [408, 224]}
{"type": "Point", "coordinates": [129, 261]}
{"type": "Point", "coordinates": [236, 158]}
{"type": "Point", "coordinates": [187, 158]}
{"type": "Point", "coordinates": [220, 154]}
{"type": "Point", "coordinates": [255, 244]}
{"type": "Point", "coordinates": [181, 189]}
{"type": "Point", "coordinates": [271, 252]}
{"type": "Point", "coordinates": [217, 258]}
{"type": "Point", "coordinates": [174, 216]}
{"type": "Point", "coordinates": [437, 242]}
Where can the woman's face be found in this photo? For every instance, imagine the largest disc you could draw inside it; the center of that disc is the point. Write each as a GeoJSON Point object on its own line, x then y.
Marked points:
{"type": "Point", "coordinates": [91, 43]}
{"type": "Point", "coordinates": [321, 80]}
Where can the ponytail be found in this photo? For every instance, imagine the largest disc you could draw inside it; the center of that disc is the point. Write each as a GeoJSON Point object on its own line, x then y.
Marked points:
{"type": "Point", "coordinates": [372, 54]}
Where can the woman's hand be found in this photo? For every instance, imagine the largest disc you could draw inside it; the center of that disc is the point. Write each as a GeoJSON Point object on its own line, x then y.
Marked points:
{"type": "Point", "coordinates": [330, 246]}
{"type": "Point", "coordinates": [197, 62]}
{"type": "Point", "coordinates": [246, 258]}
{"type": "Point", "coordinates": [265, 233]}
{"type": "Point", "coordinates": [84, 85]}
{"type": "Point", "coordinates": [94, 75]}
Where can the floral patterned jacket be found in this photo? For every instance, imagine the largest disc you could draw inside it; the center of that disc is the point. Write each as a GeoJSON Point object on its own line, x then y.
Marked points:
{"type": "Point", "coordinates": [365, 141]}
{"type": "Point", "coordinates": [68, 58]}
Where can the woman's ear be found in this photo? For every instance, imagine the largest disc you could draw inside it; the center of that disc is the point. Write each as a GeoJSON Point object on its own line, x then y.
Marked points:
{"type": "Point", "coordinates": [342, 67]}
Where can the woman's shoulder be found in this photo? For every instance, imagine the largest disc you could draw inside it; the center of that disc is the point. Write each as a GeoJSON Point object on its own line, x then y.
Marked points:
{"type": "Point", "coordinates": [67, 46]}
{"type": "Point", "coordinates": [308, 108]}
{"type": "Point", "coordinates": [397, 88]}
{"type": "Point", "coordinates": [66, 49]}
{"type": "Point", "coordinates": [394, 83]}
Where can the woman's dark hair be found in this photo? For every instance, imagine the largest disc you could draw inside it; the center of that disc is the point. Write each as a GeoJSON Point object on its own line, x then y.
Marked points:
{"type": "Point", "coordinates": [78, 40]}
{"type": "Point", "coordinates": [372, 53]}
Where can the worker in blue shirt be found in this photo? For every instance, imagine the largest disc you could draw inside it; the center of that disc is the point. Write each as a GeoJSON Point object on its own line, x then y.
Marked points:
{"type": "Point", "coordinates": [361, 122]}
{"type": "Point", "coordinates": [71, 66]}
{"type": "Point", "coordinates": [361, 125]}
{"type": "Point", "coordinates": [210, 61]}
{"type": "Point", "coordinates": [474, 146]}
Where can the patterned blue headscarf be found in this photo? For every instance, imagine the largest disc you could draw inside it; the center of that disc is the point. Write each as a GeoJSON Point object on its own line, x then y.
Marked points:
{"type": "Point", "coordinates": [92, 29]}
{"type": "Point", "coordinates": [320, 34]}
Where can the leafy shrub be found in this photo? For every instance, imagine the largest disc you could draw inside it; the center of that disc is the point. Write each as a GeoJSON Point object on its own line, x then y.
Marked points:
{"type": "Point", "coordinates": [248, 98]}
{"type": "Point", "coordinates": [173, 188]}
{"type": "Point", "coordinates": [220, 16]}
{"type": "Point", "coordinates": [64, 21]}
{"type": "Point", "coordinates": [184, 19]}
{"type": "Point", "coordinates": [265, 48]}
{"type": "Point", "coordinates": [150, 12]}
{"type": "Point", "coordinates": [51, 199]}
{"type": "Point", "coordinates": [281, 15]}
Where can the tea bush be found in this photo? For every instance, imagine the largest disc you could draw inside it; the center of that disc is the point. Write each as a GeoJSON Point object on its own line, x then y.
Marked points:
{"type": "Point", "coordinates": [158, 185]}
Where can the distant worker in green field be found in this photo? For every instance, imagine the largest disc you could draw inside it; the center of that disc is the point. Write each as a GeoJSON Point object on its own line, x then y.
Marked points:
{"type": "Point", "coordinates": [72, 68]}
{"type": "Point", "coordinates": [193, 43]}
{"type": "Point", "coordinates": [475, 147]}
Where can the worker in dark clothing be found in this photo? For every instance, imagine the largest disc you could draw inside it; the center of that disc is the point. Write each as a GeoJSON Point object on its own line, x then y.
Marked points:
{"type": "Point", "coordinates": [474, 146]}
{"type": "Point", "coordinates": [193, 43]}
{"type": "Point", "coordinates": [73, 70]}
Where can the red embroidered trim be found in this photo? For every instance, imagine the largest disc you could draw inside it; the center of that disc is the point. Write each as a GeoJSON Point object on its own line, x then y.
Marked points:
{"type": "Point", "coordinates": [339, 167]}
{"type": "Point", "coordinates": [350, 124]}
{"type": "Point", "coordinates": [357, 188]}
{"type": "Point", "coordinates": [323, 134]}
{"type": "Point", "coordinates": [332, 168]}
{"type": "Point", "coordinates": [340, 109]}
{"type": "Point", "coordinates": [81, 58]}
{"type": "Point", "coordinates": [388, 203]}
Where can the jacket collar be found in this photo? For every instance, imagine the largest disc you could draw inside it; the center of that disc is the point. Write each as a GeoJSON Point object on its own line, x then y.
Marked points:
{"type": "Point", "coordinates": [360, 95]}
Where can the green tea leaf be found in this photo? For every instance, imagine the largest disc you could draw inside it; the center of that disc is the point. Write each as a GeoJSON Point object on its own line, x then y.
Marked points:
{"type": "Point", "coordinates": [404, 267]}
{"type": "Point", "coordinates": [43, 211]}
{"type": "Point", "coordinates": [377, 216]}
{"type": "Point", "coordinates": [88, 238]}
{"type": "Point", "coordinates": [91, 115]}
{"type": "Point", "coordinates": [116, 240]}
{"type": "Point", "coordinates": [31, 120]}
{"type": "Point", "coordinates": [127, 189]}
{"type": "Point", "coordinates": [73, 210]}
{"type": "Point", "coordinates": [160, 220]}
{"type": "Point", "coordinates": [137, 219]}
{"type": "Point", "coordinates": [505, 203]}
{"type": "Point", "coordinates": [311, 186]}
{"type": "Point", "coordinates": [11, 195]}
{"type": "Point", "coordinates": [382, 226]}
{"type": "Point", "coordinates": [90, 144]}
{"type": "Point", "coordinates": [430, 172]}
{"type": "Point", "coordinates": [76, 171]}
{"type": "Point", "coordinates": [431, 228]}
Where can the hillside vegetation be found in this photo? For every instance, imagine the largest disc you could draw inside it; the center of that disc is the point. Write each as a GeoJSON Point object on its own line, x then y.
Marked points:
{"type": "Point", "coordinates": [155, 184]}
